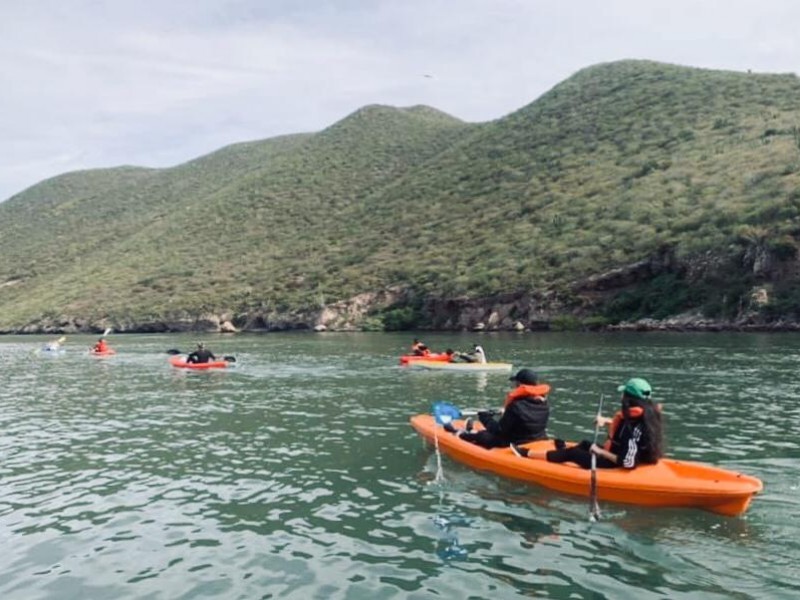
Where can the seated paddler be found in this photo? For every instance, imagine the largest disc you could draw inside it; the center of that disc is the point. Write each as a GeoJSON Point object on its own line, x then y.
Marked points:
{"type": "Point", "coordinates": [524, 416]}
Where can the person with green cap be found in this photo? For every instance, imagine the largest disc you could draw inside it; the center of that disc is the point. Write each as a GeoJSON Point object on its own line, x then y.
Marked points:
{"type": "Point", "coordinates": [635, 435]}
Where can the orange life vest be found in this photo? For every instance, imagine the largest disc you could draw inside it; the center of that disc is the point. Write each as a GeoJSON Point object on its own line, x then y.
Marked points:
{"type": "Point", "coordinates": [540, 390]}
{"type": "Point", "coordinates": [101, 346]}
{"type": "Point", "coordinates": [635, 412]}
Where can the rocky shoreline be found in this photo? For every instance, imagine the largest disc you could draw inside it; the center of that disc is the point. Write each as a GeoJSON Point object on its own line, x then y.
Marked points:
{"type": "Point", "coordinates": [519, 315]}
{"type": "Point", "coordinates": [577, 307]}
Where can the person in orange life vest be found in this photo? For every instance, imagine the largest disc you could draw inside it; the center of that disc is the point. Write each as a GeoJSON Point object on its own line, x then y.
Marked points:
{"type": "Point", "coordinates": [524, 419]}
{"type": "Point", "coordinates": [635, 435]}
{"type": "Point", "coordinates": [101, 346]}
{"type": "Point", "coordinates": [201, 355]}
{"type": "Point", "coordinates": [419, 349]}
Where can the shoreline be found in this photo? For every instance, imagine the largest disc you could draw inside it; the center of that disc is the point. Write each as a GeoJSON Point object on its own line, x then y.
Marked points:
{"type": "Point", "coordinates": [674, 325]}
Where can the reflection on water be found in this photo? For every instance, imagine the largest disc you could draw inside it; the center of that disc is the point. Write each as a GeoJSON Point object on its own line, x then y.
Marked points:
{"type": "Point", "coordinates": [295, 472]}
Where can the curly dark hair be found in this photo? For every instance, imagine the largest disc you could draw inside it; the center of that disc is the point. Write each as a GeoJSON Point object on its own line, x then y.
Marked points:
{"type": "Point", "coordinates": [653, 422]}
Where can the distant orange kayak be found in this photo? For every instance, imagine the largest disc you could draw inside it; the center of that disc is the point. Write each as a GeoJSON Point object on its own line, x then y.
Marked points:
{"type": "Point", "coordinates": [104, 354]}
{"type": "Point", "coordinates": [407, 358]}
{"type": "Point", "coordinates": [180, 362]}
{"type": "Point", "coordinates": [670, 483]}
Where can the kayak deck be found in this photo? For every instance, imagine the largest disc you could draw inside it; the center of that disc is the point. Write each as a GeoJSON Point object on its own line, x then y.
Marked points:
{"type": "Point", "coordinates": [435, 365]}
{"type": "Point", "coordinates": [670, 483]}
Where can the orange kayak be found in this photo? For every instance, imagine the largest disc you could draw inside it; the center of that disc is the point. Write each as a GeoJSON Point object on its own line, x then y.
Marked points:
{"type": "Point", "coordinates": [180, 362]}
{"type": "Point", "coordinates": [104, 354]}
{"type": "Point", "coordinates": [670, 483]}
{"type": "Point", "coordinates": [407, 358]}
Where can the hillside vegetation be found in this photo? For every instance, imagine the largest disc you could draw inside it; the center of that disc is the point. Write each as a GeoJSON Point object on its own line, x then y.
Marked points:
{"type": "Point", "coordinates": [608, 168]}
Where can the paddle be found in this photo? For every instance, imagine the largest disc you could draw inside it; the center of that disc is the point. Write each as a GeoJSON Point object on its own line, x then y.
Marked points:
{"type": "Point", "coordinates": [175, 352]}
{"type": "Point", "coordinates": [594, 506]}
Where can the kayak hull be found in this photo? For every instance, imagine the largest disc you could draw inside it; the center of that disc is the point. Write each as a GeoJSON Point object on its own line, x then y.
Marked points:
{"type": "Point", "coordinates": [106, 354]}
{"type": "Point", "coordinates": [180, 363]}
{"type": "Point", "coordinates": [670, 483]}
{"type": "Point", "coordinates": [409, 358]}
{"type": "Point", "coordinates": [462, 367]}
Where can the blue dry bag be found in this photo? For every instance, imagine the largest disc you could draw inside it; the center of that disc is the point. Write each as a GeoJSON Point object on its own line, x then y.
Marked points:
{"type": "Point", "coordinates": [444, 412]}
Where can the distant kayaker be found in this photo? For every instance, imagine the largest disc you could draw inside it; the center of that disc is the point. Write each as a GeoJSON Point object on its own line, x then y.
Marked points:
{"type": "Point", "coordinates": [476, 356]}
{"type": "Point", "coordinates": [635, 435]}
{"type": "Point", "coordinates": [100, 347]}
{"type": "Point", "coordinates": [201, 355]}
{"type": "Point", "coordinates": [54, 345]}
{"type": "Point", "coordinates": [419, 349]}
{"type": "Point", "coordinates": [524, 418]}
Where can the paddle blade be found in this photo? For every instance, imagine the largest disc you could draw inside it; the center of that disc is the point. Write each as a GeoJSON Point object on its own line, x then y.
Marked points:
{"type": "Point", "coordinates": [174, 351]}
{"type": "Point", "coordinates": [594, 505]}
{"type": "Point", "coordinates": [107, 331]}
{"type": "Point", "coordinates": [444, 412]}
{"type": "Point", "coordinates": [229, 358]}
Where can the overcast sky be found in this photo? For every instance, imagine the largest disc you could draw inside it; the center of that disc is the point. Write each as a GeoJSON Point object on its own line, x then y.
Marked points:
{"type": "Point", "coordinates": [98, 83]}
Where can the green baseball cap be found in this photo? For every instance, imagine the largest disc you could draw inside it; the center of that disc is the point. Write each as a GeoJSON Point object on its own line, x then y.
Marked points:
{"type": "Point", "coordinates": [636, 387]}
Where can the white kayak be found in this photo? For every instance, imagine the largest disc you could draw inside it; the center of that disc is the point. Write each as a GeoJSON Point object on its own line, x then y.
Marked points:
{"type": "Point", "coordinates": [463, 367]}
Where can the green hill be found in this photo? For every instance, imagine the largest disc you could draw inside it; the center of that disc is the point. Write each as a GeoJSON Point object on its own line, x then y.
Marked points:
{"type": "Point", "coordinates": [619, 163]}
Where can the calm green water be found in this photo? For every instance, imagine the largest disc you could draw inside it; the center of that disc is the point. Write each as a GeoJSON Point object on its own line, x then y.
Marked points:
{"type": "Point", "coordinates": [296, 475]}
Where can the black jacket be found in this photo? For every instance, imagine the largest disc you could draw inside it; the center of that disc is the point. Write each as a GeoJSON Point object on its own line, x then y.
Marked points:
{"type": "Point", "coordinates": [631, 444]}
{"type": "Point", "coordinates": [524, 420]}
{"type": "Point", "coordinates": [201, 355]}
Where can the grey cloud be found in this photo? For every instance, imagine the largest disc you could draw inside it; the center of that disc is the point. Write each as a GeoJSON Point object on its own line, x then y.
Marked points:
{"type": "Point", "coordinates": [93, 84]}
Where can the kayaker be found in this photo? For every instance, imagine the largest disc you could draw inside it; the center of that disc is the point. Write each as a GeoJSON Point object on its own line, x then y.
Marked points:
{"type": "Point", "coordinates": [476, 356]}
{"type": "Point", "coordinates": [201, 355]}
{"type": "Point", "coordinates": [100, 347]}
{"type": "Point", "coordinates": [419, 349]}
{"type": "Point", "coordinates": [524, 418]}
{"type": "Point", "coordinates": [53, 346]}
{"type": "Point", "coordinates": [635, 435]}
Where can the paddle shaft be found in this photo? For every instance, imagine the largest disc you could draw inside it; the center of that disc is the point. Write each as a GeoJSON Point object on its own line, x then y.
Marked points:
{"type": "Point", "coordinates": [471, 412]}
{"type": "Point", "coordinates": [594, 506]}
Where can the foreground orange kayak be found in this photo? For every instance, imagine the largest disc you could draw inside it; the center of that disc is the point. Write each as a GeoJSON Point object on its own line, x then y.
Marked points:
{"type": "Point", "coordinates": [180, 362]}
{"type": "Point", "coordinates": [670, 483]}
